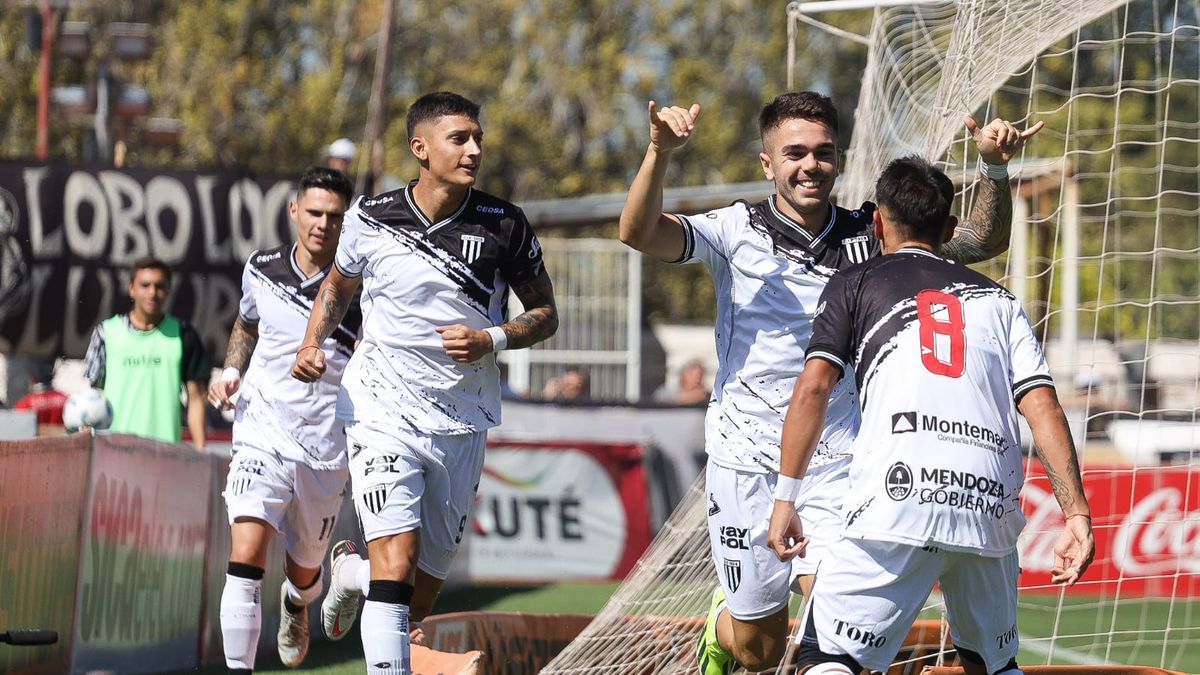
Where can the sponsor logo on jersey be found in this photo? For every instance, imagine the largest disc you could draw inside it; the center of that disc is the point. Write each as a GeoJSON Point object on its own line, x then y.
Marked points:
{"type": "Point", "coordinates": [733, 574]}
{"type": "Point", "coordinates": [734, 537]}
{"type": "Point", "coordinates": [962, 431]}
{"type": "Point", "coordinates": [713, 509]}
{"type": "Point", "coordinates": [904, 423]}
{"type": "Point", "coordinates": [268, 257]}
{"type": "Point", "coordinates": [535, 247]}
{"type": "Point", "coordinates": [952, 431]}
{"type": "Point", "coordinates": [857, 249]}
{"type": "Point", "coordinates": [899, 481]}
{"type": "Point", "coordinates": [963, 491]}
{"type": "Point", "coordinates": [472, 246]}
{"type": "Point", "coordinates": [863, 637]}
{"type": "Point", "coordinates": [377, 201]}
{"type": "Point", "coordinates": [820, 308]}
{"type": "Point", "coordinates": [374, 498]}
{"type": "Point", "coordinates": [495, 210]}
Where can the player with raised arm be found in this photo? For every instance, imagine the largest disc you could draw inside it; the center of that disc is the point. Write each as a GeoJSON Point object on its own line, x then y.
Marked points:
{"type": "Point", "coordinates": [770, 262]}
{"type": "Point", "coordinates": [288, 471]}
{"type": "Point", "coordinates": [944, 359]}
{"type": "Point", "coordinates": [436, 260]}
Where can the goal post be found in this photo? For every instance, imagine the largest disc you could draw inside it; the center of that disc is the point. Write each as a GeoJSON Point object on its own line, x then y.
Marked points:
{"type": "Point", "coordinates": [1106, 257]}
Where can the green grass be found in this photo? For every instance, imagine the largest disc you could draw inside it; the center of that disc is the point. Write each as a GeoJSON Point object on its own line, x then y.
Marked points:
{"type": "Point", "coordinates": [1133, 631]}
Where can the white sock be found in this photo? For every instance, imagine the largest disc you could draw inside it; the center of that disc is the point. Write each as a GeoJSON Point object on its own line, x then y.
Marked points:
{"type": "Point", "coordinates": [241, 620]}
{"type": "Point", "coordinates": [354, 576]}
{"type": "Point", "coordinates": [384, 630]}
{"type": "Point", "coordinates": [301, 597]}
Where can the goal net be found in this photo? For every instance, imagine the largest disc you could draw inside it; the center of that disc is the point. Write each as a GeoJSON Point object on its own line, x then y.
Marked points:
{"type": "Point", "coordinates": [1105, 255]}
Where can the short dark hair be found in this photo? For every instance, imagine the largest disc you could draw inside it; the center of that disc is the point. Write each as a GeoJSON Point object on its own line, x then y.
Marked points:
{"type": "Point", "coordinates": [917, 196]}
{"type": "Point", "coordinates": [326, 178]}
{"type": "Point", "coordinates": [440, 104]}
{"type": "Point", "coordinates": [149, 263]}
{"type": "Point", "coordinates": [804, 105]}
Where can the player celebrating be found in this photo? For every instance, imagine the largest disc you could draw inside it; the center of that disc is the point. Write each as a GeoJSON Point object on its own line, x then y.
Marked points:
{"type": "Point", "coordinates": [436, 260]}
{"type": "Point", "coordinates": [769, 262]}
{"type": "Point", "coordinates": [944, 358]}
{"type": "Point", "coordinates": [289, 453]}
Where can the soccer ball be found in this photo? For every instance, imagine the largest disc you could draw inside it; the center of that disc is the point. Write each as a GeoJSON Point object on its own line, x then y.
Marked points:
{"type": "Point", "coordinates": [87, 408]}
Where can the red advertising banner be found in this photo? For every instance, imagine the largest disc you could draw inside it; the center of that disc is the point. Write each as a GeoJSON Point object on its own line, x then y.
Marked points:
{"type": "Point", "coordinates": [1146, 522]}
{"type": "Point", "coordinates": [143, 562]}
{"type": "Point", "coordinates": [43, 483]}
{"type": "Point", "coordinates": [559, 510]}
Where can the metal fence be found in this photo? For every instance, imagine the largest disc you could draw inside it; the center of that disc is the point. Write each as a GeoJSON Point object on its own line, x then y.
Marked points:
{"type": "Point", "coordinates": [598, 287]}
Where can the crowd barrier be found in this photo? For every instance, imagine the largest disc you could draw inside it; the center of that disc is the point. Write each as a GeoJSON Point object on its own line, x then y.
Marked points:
{"type": "Point", "coordinates": [119, 544]}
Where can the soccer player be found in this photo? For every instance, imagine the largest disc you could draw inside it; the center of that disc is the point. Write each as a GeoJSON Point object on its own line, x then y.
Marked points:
{"type": "Point", "coordinates": [769, 263]}
{"type": "Point", "coordinates": [289, 469]}
{"type": "Point", "coordinates": [944, 360]}
{"type": "Point", "coordinates": [144, 358]}
{"type": "Point", "coordinates": [436, 260]}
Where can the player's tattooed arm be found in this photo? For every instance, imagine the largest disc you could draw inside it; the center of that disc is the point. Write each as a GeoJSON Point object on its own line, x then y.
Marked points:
{"type": "Point", "coordinates": [539, 320]}
{"type": "Point", "coordinates": [1066, 483]}
{"type": "Point", "coordinates": [242, 341]}
{"type": "Point", "coordinates": [984, 234]}
{"type": "Point", "coordinates": [330, 305]}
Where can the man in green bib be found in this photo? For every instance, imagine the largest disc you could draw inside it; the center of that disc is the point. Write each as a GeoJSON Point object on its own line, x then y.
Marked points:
{"type": "Point", "coordinates": [142, 359]}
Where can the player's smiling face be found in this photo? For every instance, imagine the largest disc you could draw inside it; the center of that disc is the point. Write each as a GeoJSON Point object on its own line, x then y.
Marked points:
{"type": "Point", "coordinates": [801, 156]}
{"type": "Point", "coordinates": [450, 149]}
{"type": "Point", "coordinates": [318, 217]}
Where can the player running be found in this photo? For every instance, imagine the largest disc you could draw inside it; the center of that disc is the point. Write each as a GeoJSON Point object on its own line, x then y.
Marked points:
{"type": "Point", "coordinates": [436, 260]}
{"type": "Point", "coordinates": [944, 359]}
{"type": "Point", "coordinates": [289, 470]}
{"type": "Point", "coordinates": [770, 262]}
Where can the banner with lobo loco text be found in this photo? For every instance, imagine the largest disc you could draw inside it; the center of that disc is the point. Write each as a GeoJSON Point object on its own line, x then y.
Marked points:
{"type": "Point", "coordinates": [1146, 522]}
{"type": "Point", "coordinates": [140, 586]}
{"type": "Point", "coordinates": [43, 487]}
{"type": "Point", "coordinates": [559, 510]}
{"type": "Point", "coordinates": [69, 233]}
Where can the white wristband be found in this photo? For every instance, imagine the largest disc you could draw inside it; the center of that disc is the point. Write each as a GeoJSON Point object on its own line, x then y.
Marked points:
{"type": "Point", "coordinates": [993, 171]}
{"type": "Point", "coordinates": [499, 339]}
{"type": "Point", "coordinates": [230, 374]}
{"type": "Point", "coordinates": [787, 489]}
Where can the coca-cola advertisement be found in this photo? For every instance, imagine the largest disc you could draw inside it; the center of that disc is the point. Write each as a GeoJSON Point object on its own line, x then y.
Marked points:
{"type": "Point", "coordinates": [1147, 526]}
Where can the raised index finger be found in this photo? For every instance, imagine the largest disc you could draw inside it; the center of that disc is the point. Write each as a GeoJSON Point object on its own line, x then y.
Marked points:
{"type": "Point", "coordinates": [1028, 133]}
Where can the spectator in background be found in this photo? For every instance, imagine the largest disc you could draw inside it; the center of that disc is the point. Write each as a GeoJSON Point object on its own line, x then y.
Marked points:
{"type": "Point", "coordinates": [340, 154]}
{"type": "Point", "coordinates": [691, 389]}
{"type": "Point", "coordinates": [143, 359]}
{"type": "Point", "coordinates": [573, 386]}
{"type": "Point", "coordinates": [43, 399]}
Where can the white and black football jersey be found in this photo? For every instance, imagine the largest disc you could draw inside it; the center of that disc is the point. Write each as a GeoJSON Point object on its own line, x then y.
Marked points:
{"type": "Point", "coordinates": [418, 275]}
{"type": "Point", "coordinates": [942, 355]}
{"type": "Point", "coordinates": [278, 297]}
{"type": "Point", "coordinates": [769, 273]}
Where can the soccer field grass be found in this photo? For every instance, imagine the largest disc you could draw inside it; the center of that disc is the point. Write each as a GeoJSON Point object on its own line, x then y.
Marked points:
{"type": "Point", "coordinates": [1144, 631]}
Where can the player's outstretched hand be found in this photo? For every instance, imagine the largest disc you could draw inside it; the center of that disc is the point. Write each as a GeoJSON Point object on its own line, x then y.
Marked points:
{"type": "Point", "coordinates": [1073, 551]}
{"type": "Point", "coordinates": [785, 535]}
{"type": "Point", "coordinates": [671, 127]}
{"type": "Point", "coordinates": [221, 393]}
{"type": "Point", "coordinates": [999, 141]}
{"type": "Point", "coordinates": [465, 344]}
{"type": "Point", "coordinates": [310, 364]}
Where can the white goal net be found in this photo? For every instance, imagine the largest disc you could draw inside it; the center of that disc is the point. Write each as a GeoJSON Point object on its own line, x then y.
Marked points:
{"type": "Point", "coordinates": [1105, 255]}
